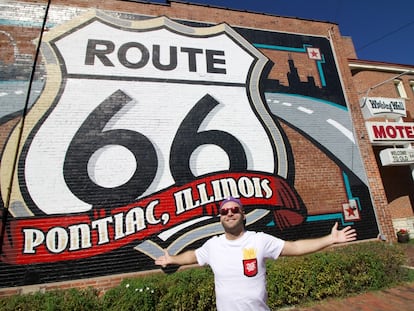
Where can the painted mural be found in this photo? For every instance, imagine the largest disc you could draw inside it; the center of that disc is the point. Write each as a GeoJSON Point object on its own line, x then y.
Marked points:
{"type": "Point", "coordinates": [136, 128]}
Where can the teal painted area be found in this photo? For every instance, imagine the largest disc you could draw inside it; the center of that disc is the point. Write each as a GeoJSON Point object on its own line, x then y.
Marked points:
{"type": "Point", "coordinates": [320, 70]}
{"type": "Point", "coordinates": [324, 217]}
{"type": "Point", "coordinates": [348, 190]}
{"type": "Point", "coordinates": [347, 186]}
{"type": "Point", "coordinates": [280, 48]}
{"type": "Point", "coordinates": [327, 102]}
{"type": "Point", "coordinates": [299, 50]}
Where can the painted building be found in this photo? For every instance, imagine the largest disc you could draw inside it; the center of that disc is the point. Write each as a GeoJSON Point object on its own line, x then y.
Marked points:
{"type": "Point", "coordinates": [124, 124]}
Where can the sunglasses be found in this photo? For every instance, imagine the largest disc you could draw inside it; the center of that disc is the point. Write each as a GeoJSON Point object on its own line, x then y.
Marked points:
{"type": "Point", "coordinates": [234, 210]}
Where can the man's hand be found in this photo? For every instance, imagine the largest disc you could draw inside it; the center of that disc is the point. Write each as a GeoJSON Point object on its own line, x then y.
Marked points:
{"type": "Point", "coordinates": [186, 258]}
{"type": "Point", "coordinates": [307, 246]}
{"type": "Point", "coordinates": [347, 234]}
{"type": "Point", "coordinates": [164, 260]}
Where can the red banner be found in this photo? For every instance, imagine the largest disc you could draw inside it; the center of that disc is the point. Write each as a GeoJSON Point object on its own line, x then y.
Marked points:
{"type": "Point", "coordinates": [69, 237]}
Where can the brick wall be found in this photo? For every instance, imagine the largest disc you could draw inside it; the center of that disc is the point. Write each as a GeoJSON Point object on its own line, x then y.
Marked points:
{"type": "Point", "coordinates": [317, 177]}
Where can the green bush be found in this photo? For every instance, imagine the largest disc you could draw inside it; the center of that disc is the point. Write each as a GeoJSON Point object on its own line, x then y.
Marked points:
{"type": "Point", "coordinates": [189, 290]}
{"type": "Point", "coordinates": [336, 272]}
{"type": "Point", "coordinates": [192, 289]}
{"type": "Point", "coordinates": [133, 294]}
{"type": "Point", "coordinates": [58, 300]}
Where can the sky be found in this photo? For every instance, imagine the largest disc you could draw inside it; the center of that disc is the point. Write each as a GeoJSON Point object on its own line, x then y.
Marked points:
{"type": "Point", "coordinates": [380, 30]}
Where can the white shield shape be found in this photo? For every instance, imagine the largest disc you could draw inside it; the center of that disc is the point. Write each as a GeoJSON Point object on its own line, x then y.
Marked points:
{"type": "Point", "coordinates": [159, 102]}
{"type": "Point", "coordinates": [134, 116]}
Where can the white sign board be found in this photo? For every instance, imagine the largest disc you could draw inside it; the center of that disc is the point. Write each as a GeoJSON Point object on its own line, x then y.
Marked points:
{"type": "Point", "coordinates": [392, 108]}
{"type": "Point", "coordinates": [390, 133]}
{"type": "Point", "coordinates": [397, 156]}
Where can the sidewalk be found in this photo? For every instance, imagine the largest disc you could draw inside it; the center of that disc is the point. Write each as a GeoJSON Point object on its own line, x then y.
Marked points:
{"type": "Point", "coordinates": [399, 298]}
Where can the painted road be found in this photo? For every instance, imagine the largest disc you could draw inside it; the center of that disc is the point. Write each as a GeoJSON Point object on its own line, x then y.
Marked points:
{"type": "Point", "coordinates": [330, 125]}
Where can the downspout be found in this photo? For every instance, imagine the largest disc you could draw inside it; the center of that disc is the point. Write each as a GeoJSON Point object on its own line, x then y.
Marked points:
{"type": "Point", "coordinates": [380, 225]}
{"type": "Point", "coordinates": [5, 215]}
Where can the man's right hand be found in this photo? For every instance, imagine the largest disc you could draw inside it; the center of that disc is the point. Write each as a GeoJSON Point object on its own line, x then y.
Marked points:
{"type": "Point", "coordinates": [164, 260]}
{"type": "Point", "coordinates": [186, 258]}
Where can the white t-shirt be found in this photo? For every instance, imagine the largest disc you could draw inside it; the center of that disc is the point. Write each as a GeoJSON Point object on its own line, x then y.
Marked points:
{"type": "Point", "coordinates": [239, 269]}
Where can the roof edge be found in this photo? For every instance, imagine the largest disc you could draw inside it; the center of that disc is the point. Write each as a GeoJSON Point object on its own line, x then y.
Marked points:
{"type": "Point", "coordinates": [377, 65]}
{"type": "Point", "coordinates": [248, 11]}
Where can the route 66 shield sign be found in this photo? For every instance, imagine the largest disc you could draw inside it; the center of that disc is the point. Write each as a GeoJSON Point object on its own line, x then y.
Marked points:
{"type": "Point", "coordinates": [142, 127]}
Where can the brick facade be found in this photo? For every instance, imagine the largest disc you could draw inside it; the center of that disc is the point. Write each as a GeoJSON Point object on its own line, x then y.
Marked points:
{"type": "Point", "coordinates": [376, 79]}
{"type": "Point", "coordinates": [319, 179]}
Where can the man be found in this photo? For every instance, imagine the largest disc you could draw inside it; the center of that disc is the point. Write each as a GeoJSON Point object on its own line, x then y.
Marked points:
{"type": "Point", "coordinates": [238, 257]}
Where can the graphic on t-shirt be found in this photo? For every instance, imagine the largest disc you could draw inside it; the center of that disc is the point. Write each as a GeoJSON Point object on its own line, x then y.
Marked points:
{"type": "Point", "coordinates": [249, 262]}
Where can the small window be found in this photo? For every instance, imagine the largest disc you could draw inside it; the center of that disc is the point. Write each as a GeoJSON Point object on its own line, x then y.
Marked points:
{"type": "Point", "coordinates": [400, 88]}
{"type": "Point", "coordinates": [412, 85]}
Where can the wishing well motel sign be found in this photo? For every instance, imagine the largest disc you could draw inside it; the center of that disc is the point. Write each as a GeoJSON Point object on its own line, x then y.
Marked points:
{"type": "Point", "coordinates": [389, 133]}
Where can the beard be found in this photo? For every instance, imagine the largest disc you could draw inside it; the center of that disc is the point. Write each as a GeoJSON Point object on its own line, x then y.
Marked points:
{"type": "Point", "coordinates": [233, 225]}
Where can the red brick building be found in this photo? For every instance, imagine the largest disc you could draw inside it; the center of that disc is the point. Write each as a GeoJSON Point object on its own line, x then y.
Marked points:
{"type": "Point", "coordinates": [376, 79]}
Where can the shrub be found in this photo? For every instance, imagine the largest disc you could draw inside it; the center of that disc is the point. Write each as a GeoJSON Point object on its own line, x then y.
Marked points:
{"type": "Point", "coordinates": [190, 290]}
{"type": "Point", "coordinates": [58, 300]}
{"type": "Point", "coordinates": [336, 272]}
{"type": "Point", "coordinates": [138, 293]}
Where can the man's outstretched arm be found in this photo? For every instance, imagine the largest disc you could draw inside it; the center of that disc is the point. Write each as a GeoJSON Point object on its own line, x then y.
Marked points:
{"type": "Point", "coordinates": [186, 258]}
{"type": "Point", "coordinates": [306, 246]}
